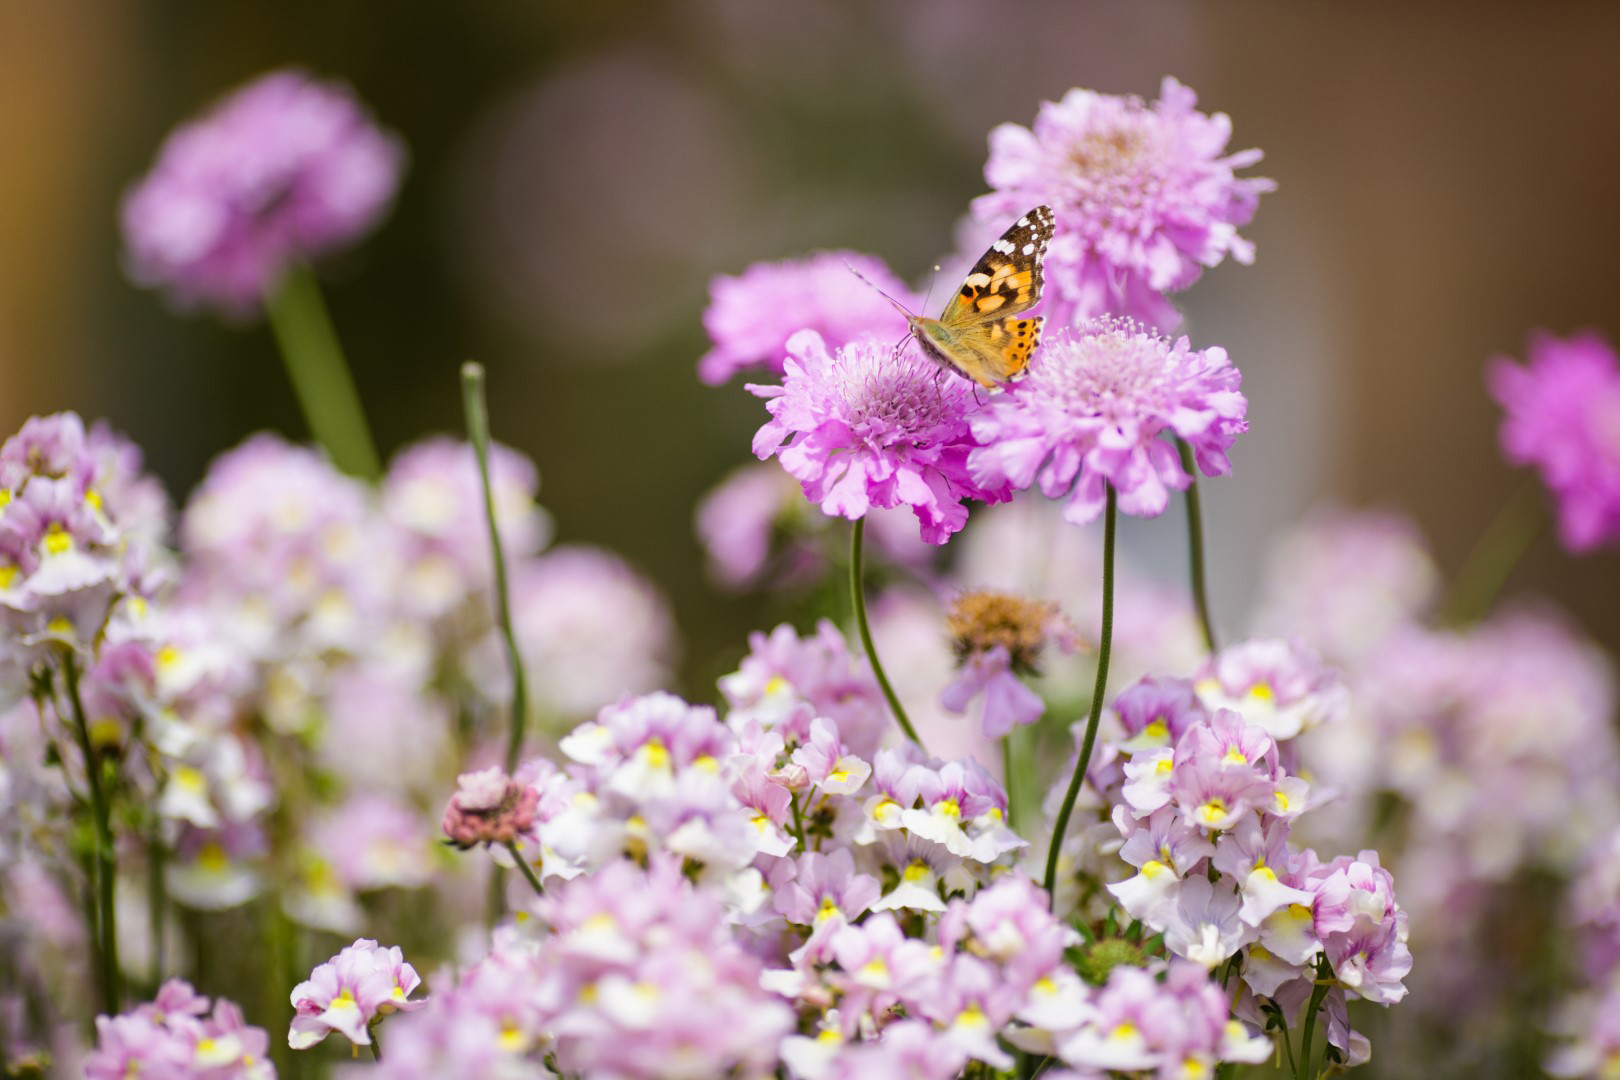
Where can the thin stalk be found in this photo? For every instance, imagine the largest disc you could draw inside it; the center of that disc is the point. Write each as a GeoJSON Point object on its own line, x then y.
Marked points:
{"type": "Point", "coordinates": [1104, 647]}
{"type": "Point", "coordinates": [156, 903]}
{"type": "Point", "coordinates": [477, 411]}
{"type": "Point", "coordinates": [1323, 973]}
{"type": "Point", "coordinates": [1506, 541]}
{"type": "Point", "coordinates": [798, 822]}
{"type": "Point", "coordinates": [1282, 1037]}
{"type": "Point", "coordinates": [112, 989]}
{"type": "Point", "coordinates": [376, 1046]}
{"type": "Point", "coordinates": [1008, 771]}
{"type": "Point", "coordinates": [523, 865]}
{"type": "Point", "coordinates": [320, 374]}
{"type": "Point", "coordinates": [1195, 545]}
{"type": "Point", "coordinates": [857, 595]}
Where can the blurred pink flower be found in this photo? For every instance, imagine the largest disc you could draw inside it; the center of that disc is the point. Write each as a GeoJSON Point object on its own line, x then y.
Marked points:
{"type": "Point", "coordinates": [751, 317]}
{"type": "Point", "coordinates": [286, 168]}
{"type": "Point", "coordinates": [1562, 415]}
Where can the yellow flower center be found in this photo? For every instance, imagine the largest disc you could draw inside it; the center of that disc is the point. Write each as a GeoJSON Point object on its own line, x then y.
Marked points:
{"type": "Point", "coordinates": [57, 541]}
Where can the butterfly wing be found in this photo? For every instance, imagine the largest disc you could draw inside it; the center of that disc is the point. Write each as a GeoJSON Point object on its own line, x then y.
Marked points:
{"type": "Point", "coordinates": [993, 339]}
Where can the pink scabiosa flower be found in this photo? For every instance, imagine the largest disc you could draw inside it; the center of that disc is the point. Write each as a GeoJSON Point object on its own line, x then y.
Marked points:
{"type": "Point", "coordinates": [1091, 413]}
{"type": "Point", "coordinates": [1563, 417]}
{"type": "Point", "coordinates": [751, 317]}
{"type": "Point", "coordinates": [350, 991]}
{"type": "Point", "coordinates": [287, 168]}
{"type": "Point", "coordinates": [872, 426]}
{"type": "Point", "coordinates": [1146, 198]}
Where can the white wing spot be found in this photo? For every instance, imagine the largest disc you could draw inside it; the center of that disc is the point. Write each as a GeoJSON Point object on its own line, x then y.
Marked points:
{"type": "Point", "coordinates": [1029, 249]}
{"type": "Point", "coordinates": [1003, 246]}
{"type": "Point", "coordinates": [1024, 220]}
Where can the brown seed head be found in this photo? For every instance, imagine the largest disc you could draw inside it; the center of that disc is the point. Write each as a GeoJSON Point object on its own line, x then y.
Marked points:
{"type": "Point", "coordinates": [981, 619]}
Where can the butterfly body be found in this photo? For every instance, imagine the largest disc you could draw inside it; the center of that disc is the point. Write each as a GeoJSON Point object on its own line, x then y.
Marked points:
{"type": "Point", "coordinates": [983, 333]}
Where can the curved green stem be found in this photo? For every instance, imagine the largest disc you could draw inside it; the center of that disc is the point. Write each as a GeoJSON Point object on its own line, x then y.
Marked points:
{"type": "Point", "coordinates": [1506, 540]}
{"type": "Point", "coordinates": [477, 412]}
{"type": "Point", "coordinates": [106, 858]}
{"type": "Point", "coordinates": [857, 593]}
{"type": "Point", "coordinates": [1323, 973]}
{"type": "Point", "coordinates": [1099, 691]}
{"type": "Point", "coordinates": [320, 374]}
{"type": "Point", "coordinates": [1008, 771]}
{"type": "Point", "coordinates": [1195, 545]}
{"type": "Point", "coordinates": [528, 871]}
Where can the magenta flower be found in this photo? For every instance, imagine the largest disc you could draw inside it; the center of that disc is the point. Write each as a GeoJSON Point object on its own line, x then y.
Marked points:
{"type": "Point", "coordinates": [349, 991]}
{"type": "Point", "coordinates": [751, 317]}
{"type": "Point", "coordinates": [1146, 198]}
{"type": "Point", "coordinates": [1092, 411]}
{"type": "Point", "coordinates": [1563, 416]}
{"type": "Point", "coordinates": [285, 169]}
{"type": "Point", "coordinates": [871, 426]}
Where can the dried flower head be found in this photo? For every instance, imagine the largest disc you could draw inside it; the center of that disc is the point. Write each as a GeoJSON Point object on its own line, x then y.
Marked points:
{"type": "Point", "coordinates": [981, 619]}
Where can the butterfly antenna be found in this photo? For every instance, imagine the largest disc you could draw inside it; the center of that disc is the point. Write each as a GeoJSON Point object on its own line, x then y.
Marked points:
{"type": "Point", "coordinates": [898, 306]}
{"type": "Point", "coordinates": [929, 295]}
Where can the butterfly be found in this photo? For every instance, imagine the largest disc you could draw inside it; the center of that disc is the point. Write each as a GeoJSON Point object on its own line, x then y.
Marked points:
{"type": "Point", "coordinates": [983, 333]}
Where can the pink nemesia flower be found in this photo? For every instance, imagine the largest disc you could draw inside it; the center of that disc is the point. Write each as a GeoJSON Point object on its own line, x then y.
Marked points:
{"type": "Point", "coordinates": [349, 991]}
{"type": "Point", "coordinates": [284, 169]}
{"type": "Point", "coordinates": [177, 1036]}
{"type": "Point", "coordinates": [869, 426]}
{"type": "Point", "coordinates": [1562, 415]}
{"type": "Point", "coordinates": [1093, 412]}
{"type": "Point", "coordinates": [1146, 198]}
{"type": "Point", "coordinates": [751, 317]}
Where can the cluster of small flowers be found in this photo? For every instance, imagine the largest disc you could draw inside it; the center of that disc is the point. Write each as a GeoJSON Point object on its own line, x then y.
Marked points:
{"type": "Point", "coordinates": [362, 614]}
{"type": "Point", "coordinates": [1447, 721]}
{"type": "Point", "coordinates": [1196, 776]}
{"type": "Point", "coordinates": [177, 1035]}
{"type": "Point", "coordinates": [1590, 1038]}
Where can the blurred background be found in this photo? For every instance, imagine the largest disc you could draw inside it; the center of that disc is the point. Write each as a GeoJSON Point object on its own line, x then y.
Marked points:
{"type": "Point", "coordinates": [579, 172]}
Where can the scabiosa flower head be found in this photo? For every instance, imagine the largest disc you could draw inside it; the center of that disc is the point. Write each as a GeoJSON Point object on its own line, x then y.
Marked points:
{"type": "Point", "coordinates": [1091, 413]}
{"type": "Point", "coordinates": [286, 168]}
{"type": "Point", "coordinates": [1563, 417]}
{"type": "Point", "coordinates": [751, 317]}
{"type": "Point", "coordinates": [177, 1035]}
{"type": "Point", "coordinates": [873, 426]}
{"type": "Point", "coordinates": [1145, 195]}
{"type": "Point", "coordinates": [351, 990]}
{"type": "Point", "coordinates": [489, 808]}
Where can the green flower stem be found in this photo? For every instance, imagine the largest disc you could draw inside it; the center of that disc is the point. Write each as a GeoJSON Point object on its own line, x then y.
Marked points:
{"type": "Point", "coordinates": [319, 373]}
{"type": "Point", "coordinates": [523, 865]}
{"type": "Point", "coordinates": [857, 593]}
{"type": "Point", "coordinates": [1504, 543]}
{"type": "Point", "coordinates": [1195, 545]}
{"type": "Point", "coordinates": [1323, 974]}
{"type": "Point", "coordinates": [156, 902]}
{"type": "Point", "coordinates": [1099, 691]}
{"type": "Point", "coordinates": [477, 411]}
{"type": "Point", "coordinates": [112, 990]}
{"type": "Point", "coordinates": [1008, 771]}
